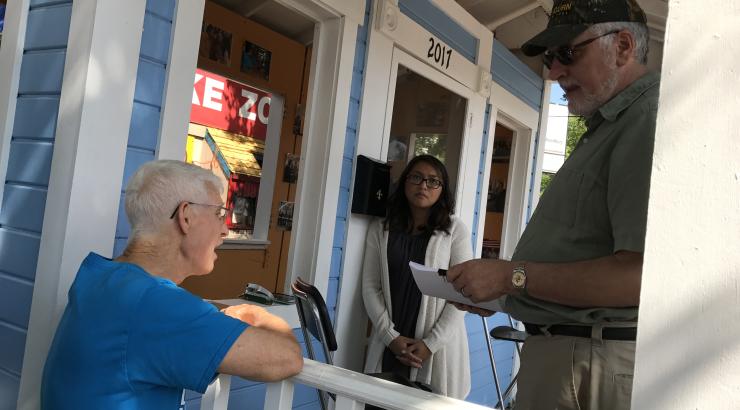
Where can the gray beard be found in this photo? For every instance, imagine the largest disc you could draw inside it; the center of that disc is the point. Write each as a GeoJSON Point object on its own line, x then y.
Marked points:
{"type": "Point", "coordinates": [590, 102]}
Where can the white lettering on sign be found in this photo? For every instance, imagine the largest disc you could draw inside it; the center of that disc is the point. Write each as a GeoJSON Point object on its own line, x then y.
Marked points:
{"type": "Point", "coordinates": [198, 77]}
{"type": "Point", "coordinates": [213, 94]}
{"type": "Point", "coordinates": [244, 110]}
{"type": "Point", "coordinates": [264, 103]}
{"type": "Point", "coordinates": [439, 53]}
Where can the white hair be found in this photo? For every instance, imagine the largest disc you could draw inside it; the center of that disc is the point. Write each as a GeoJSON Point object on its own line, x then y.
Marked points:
{"type": "Point", "coordinates": [639, 32]}
{"type": "Point", "coordinates": [158, 187]}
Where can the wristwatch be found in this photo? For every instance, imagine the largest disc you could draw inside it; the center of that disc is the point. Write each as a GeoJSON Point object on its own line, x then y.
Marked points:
{"type": "Point", "coordinates": [519, 278]}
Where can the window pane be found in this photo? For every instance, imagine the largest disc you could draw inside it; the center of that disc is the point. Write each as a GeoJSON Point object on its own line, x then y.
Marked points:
{"type": "Point", "coordinates": [228, 128]}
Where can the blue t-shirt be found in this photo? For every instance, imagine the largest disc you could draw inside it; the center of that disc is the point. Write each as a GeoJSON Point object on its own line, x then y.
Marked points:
{"type": "Point", "coordinates": [130, 340]}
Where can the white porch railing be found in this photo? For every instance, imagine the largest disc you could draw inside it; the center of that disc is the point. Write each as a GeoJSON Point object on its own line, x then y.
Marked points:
{"type": "Point", "coordinates": [353, 391]}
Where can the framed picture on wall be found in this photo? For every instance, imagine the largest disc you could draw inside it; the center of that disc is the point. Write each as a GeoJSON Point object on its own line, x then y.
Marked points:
{"type": "Point", "coordinates": [256, 60]}
{"type": "Point", "coordinates": [215, 44]}
{"type": "Point", "coordinates": [285, 215]}
{"type": "Point", "coordinates": [290, 172]}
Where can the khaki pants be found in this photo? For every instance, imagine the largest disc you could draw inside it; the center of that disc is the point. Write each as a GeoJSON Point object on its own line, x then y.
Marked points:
{"type": "Point", "coordinates": [574, 373]}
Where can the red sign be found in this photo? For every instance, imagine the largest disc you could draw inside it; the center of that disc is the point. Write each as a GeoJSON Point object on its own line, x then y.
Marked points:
{"type": "Point", "coordinates": [225, 104]}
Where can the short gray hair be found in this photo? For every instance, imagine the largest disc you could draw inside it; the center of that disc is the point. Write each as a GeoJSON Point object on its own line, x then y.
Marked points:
{"type": "Point", "coordinates": [639, 31]}
{"type": "Point", "coordinates": [158, 187]}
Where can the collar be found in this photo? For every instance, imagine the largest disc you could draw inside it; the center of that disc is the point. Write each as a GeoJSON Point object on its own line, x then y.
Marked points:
{"type": "Point", "coordinates": [620, 102]}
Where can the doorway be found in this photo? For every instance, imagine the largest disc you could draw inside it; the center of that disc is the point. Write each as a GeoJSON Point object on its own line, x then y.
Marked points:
{"type": "Point", "coordinates": [510, 178]}
{"type": "Point", "coordinates": [428, 112]}
{"type": "Point", "coordinates": [498, 181]}
{"type": "Point", "coordinates": [246, 126]}
{"type": "Point", "coordinates": [426, 119]}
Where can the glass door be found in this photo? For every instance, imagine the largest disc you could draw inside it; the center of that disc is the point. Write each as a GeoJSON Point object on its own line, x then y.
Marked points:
{"type": "Point", "coordinates": [431, 113]}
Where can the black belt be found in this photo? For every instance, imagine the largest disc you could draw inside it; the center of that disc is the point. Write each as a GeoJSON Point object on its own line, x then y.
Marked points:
{"type": "Point", "coordinates": [607, 333]}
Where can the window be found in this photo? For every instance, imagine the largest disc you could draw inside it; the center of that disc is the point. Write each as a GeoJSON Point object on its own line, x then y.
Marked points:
{"type": "Point", "coordinates": [227, 135]}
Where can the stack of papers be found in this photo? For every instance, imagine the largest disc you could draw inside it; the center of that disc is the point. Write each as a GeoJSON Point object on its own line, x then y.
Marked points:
{"type": "Point", "coordinates": [432, 283]}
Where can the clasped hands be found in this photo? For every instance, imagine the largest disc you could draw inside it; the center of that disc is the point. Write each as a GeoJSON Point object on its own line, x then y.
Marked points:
{"type": "Point", "coordinates": [410, 352]}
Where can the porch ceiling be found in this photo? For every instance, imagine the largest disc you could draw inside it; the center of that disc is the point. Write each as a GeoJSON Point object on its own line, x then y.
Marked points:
{"type": "Point", "coordinates": [515, 21]}
{"type": "Point", "coordinates": [274, 16]}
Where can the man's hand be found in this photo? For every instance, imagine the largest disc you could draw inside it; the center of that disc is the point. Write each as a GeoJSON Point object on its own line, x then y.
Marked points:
{"type": "Point", "coordinates": [472, 309]}
{"type": "Point", "coordinates": [258, 317]}
{"type": "Point", "coordinates": [481, 280]}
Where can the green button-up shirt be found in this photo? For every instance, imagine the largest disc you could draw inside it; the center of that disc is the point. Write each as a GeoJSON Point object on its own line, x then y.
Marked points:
{"type": "Point", "coordinates": [597, 203]}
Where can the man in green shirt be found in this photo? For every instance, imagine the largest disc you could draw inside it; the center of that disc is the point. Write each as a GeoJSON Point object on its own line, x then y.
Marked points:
{"type": "Point", "coordinates": [574, 279]}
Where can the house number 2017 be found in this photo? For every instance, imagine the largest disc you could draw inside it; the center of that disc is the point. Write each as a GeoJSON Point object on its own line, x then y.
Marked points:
{"type": "Point", "coordinates": [439, 53]}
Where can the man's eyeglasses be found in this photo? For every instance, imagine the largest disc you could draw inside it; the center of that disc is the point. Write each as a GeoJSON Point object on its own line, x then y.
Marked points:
{"type": "Point", "coordinates": [432, 183]}
{"type": "Point", "coordinates": [566, 54]}
{"type": "Point", "coordinates": [222, 210]}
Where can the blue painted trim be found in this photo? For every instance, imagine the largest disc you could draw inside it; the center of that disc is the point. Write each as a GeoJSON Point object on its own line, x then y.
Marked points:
{"type": "Point", "coordinates": [434, 20]}
{"type": "Point", "coordinates": [481, 173]}
{"type": "Point", "coordinates": [219, 156]}
{"type": "Point", "coordinates": [350, 148]}
{"type": "Point", "coordinates": [515, 76]}
{"type": "Point", "coordinates": [532, 188]}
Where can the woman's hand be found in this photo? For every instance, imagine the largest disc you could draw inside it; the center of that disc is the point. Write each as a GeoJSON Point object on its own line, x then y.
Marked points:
{"type": "Point", "coordinates": [401, 347]}
{"type": "Point", "coordinates": [420, 350]}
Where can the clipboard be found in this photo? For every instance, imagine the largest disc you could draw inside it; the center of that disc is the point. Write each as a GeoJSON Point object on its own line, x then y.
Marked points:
{"type": "Point", "coordinates": [433, 282]}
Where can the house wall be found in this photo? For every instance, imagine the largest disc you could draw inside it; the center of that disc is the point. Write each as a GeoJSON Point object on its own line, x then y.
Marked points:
{"type": "Point", "coordinates": [32, 144]}
{"type": "Point", "coordinates": [516, 78]}
{"type": "Point", "coordinates": [33, 130]}
{"type": "Point", "coordinates": [519, 80]}
{"type": "Point", "coordinates": [26, 183]}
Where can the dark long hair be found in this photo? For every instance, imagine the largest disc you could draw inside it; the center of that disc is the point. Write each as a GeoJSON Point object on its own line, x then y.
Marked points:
{"type": "Point", "coordinates": [398, 217]}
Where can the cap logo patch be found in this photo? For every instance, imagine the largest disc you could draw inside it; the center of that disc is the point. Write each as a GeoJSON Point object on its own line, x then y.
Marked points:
{"type": "Point", "coordinates": [562, 8]}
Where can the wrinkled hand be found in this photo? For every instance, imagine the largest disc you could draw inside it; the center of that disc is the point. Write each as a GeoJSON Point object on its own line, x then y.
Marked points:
{"type": "Point", "coordinates": [472, 309]}
{"type": "Point", "coordinates": [258, 317]}
{"type": "Point", "coordinates": [481, 280]}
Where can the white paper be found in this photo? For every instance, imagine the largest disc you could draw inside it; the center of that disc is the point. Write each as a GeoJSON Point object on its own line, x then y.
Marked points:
{"type": "Point", "coordinates": [431, 283]}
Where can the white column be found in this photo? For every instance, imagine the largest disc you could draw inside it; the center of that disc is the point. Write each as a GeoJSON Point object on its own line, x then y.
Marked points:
{"type": "Point", "coordinates": [87, 166]}
{"type": "Point", "coordinates": [351, 317]}
{"type": "Point", "coordinates": [321, 158]}
{"type": "Point", "coordinates": [180, 74]}
{"type": "Point", "coordinates": [688, 342]}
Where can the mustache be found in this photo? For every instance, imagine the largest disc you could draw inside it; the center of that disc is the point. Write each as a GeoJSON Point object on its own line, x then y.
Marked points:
{"type": "Point", "coordinates": [567, 83]}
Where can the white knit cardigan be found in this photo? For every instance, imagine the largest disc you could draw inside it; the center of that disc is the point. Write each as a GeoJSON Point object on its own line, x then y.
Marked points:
{"type": "Point", "coordinates": [440, 325]}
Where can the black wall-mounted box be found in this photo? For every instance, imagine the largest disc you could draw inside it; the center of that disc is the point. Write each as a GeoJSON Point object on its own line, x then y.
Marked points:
{"type": "Point", "coordinates": [372, 179]}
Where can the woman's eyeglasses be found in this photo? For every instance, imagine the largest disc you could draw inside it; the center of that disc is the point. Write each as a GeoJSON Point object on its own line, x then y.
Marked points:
{"type": "Point", "coordinates": [222, 210]}
{"type": "Point", "coordinates": [432, 183]}
{"type": "Point", "coordinates": [566, 54]}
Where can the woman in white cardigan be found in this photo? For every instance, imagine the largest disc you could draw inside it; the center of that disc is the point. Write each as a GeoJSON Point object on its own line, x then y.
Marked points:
{"type": "Point", "coordinates": [420, 337]}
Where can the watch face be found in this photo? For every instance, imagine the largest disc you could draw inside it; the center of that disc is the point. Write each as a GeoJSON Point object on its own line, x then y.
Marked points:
{"type": "Point", "coordinates": [518, 279]}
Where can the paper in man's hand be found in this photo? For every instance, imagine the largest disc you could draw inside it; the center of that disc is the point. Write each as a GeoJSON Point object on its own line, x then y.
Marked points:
{"type": "Point", "coordinates": [432, 283]}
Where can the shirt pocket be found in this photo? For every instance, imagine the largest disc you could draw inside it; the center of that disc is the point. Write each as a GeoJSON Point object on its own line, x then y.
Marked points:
{"type": "Point", "coordinates": [593, 210]}
{"type": "Point", "coordinates": [560, 201]}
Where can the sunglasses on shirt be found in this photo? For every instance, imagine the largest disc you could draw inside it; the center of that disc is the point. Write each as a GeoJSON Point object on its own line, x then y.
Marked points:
{"type": "Point", "coordinates": [566, 54]}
